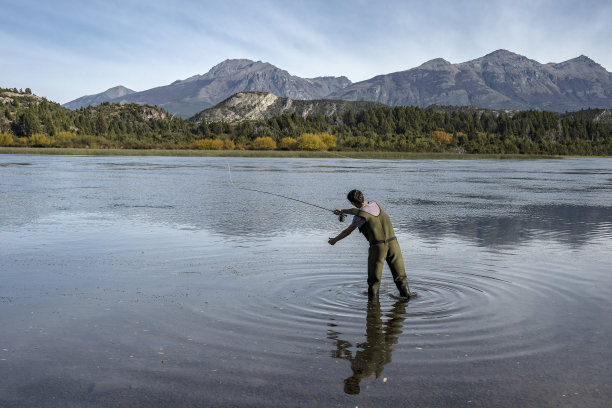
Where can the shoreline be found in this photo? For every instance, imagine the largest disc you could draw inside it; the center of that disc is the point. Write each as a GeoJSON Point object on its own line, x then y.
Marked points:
{"type": "Point", "coordinates": [269, 154]}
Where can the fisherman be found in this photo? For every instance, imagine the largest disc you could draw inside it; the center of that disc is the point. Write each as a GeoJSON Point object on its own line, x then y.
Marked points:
{"type": "Point", "coordinates": [376, 226]}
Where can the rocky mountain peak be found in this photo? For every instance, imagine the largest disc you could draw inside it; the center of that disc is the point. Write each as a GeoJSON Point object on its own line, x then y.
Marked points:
{"type": "Point", "coordinates": [503, 58]}
{"type": "Point", "coordinates": [437, 63]}
{"type": "Point", "coordinates": [582, 60]}
{"type": "Point", "coordinates": [502, 54]}
{"type": "Point", "coordinates": [233, 66]}
{"type": "Point", "coordinates": [581, 66]}
{"type": "Point", "coordinates": [118, 91]}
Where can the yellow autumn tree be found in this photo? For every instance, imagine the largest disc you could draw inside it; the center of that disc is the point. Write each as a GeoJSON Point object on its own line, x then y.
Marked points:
{"type": "Point", "coordinates": [209, 144]}
{"type": "Point", "coordinates": [263, 143]}
{"type": "Point", "coordinates": [6, 139]}
{"type": "Point", "coordinates": [441, 138]}
{"type": "Point", "coordinates": [330, 141]}
{"type": "Point", "coordinates": [310, 141]}
{"type": "Point", "coordinates": [288, 143]}
{"type": "Point", "coordinates": [39, 139]}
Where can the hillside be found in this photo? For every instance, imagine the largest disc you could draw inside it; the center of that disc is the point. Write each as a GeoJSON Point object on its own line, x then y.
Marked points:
{"type": "Point", "coordinates": [449, 109]}
{"type": "Point", "coordinates": [265, 105]}
{"type": "Point", "coordinates": [596, 115]}
{"type": "Point", "coordinates": [11, 99]}
{"type": "Point", "coordinates": [28, 120]}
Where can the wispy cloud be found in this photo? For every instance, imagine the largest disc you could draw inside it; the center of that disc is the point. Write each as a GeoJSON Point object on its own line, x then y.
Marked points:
{"type": "Point", "coordinates": [64, 49]}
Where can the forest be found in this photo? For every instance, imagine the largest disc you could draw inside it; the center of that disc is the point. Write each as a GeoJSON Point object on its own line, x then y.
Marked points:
{"type": "Point", "coordinates": [30, 121]}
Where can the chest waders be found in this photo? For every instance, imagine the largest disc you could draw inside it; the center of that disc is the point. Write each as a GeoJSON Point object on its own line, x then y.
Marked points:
{"type": "Point", "coordinates": [383, 247]}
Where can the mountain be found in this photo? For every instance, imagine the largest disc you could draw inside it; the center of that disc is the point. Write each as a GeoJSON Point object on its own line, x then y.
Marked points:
{"type": "Point", "coordinates": [189, 96]}
{"type": "Point", "coordinates": [500, 80]}
{"type": "Point", "coordinates": [109, 94]}
{"type": "Point", "coordinates": [265, 105]}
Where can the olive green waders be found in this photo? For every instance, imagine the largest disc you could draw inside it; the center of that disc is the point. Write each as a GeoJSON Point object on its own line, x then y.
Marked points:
{"type": "Point", "coordinates": [383, 248]}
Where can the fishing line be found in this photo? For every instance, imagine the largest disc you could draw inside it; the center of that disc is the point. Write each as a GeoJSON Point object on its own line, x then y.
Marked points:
{"type": "Point", "coordinates": [341, 217]}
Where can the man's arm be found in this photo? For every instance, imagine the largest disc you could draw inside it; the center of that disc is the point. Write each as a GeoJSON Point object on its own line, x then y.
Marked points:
{"type": "Point", "coordinates": [342, 235]}
{"type": "Point", "coordinates": [350, 211]}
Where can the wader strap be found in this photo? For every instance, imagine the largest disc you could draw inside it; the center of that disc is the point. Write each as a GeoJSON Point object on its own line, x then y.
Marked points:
{"type": "Point", "coordinates": [382, 242]}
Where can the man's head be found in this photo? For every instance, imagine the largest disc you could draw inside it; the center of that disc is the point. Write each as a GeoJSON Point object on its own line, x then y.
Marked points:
{"type": "Point", "coordinates": [355, 197]}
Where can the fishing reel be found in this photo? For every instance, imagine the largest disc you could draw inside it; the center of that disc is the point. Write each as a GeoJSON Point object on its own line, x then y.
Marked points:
{"type": "Point", "coordinates": [342, 217]}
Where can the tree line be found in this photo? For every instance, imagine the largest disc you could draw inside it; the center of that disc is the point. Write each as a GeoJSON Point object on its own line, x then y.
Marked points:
{"type": "Point", "coordinates": [27, 120]}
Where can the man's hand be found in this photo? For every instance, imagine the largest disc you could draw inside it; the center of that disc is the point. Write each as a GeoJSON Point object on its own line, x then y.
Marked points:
{"type": "Point", "coordinates": [342, 235]}
{"type": "Point", "coordinates": [338, 212]}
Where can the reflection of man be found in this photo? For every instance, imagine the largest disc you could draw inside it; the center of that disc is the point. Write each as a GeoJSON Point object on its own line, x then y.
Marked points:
{"type": "Point", "coordinates": [376, 226]}
{"type": "Point", "coordinates": [369, 361]}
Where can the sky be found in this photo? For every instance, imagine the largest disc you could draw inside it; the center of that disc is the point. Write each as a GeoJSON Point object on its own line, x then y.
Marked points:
{"type": "Point", "coordinates": [65, 49]}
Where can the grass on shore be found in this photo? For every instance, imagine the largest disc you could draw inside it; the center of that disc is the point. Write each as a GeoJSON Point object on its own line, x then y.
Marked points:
{"type": "Point", "coordinates": [262, 153]}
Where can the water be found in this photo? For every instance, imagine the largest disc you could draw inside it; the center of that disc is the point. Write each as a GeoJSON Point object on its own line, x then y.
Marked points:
{"type": "Point", "coordinates": [138, 282]}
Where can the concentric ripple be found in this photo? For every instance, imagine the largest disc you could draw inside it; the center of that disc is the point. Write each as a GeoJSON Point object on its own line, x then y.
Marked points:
{"type": "Point", "coordinates": [483, 309]}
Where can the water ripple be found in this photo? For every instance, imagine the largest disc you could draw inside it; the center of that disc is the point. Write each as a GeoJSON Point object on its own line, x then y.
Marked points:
{"type": "Point", "coordinates": [484, 314]}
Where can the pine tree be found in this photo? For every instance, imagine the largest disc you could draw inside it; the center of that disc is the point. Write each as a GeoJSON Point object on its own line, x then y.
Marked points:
{"type": "Point", "coordinates": [28, 124]}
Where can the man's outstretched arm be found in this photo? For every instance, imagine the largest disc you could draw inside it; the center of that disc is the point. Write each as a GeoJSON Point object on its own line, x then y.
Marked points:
{"type": "Point", "coordinates": [345, 233]}
{"type": "Point", "coordinates": [350, 211]}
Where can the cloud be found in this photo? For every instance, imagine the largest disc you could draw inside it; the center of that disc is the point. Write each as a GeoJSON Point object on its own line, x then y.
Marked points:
{"type": "Point", "coordinates": [65, 49]}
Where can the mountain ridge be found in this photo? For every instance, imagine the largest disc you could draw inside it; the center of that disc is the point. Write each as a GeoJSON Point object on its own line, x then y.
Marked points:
{"type": "Point", "coordinates": [191, 95]}
{"type": "Point", "coordinates": [499, 80]}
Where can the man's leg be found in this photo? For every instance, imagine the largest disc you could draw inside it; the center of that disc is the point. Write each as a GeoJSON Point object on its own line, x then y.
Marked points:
{"type": "Point", "coordinates": [376, 261]}
{"type": "Point", "coordinates": [395, 260]}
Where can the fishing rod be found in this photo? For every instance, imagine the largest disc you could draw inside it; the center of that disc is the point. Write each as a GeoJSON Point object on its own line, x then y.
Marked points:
{"type": "Point", "coordinates": [341, 217]}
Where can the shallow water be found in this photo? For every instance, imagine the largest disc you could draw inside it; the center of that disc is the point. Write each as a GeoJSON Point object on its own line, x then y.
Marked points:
{"type": "Point", "coordinates": [138, 282]}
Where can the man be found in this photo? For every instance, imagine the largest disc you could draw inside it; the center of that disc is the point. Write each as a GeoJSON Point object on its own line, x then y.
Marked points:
{"type": "Point", "coordinates": [376, 226]}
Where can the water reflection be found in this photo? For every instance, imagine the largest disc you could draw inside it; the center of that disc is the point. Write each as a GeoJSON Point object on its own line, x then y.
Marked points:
{"type": "Point", "coordinates": [369, 361]}
{"type": "Point", "coordinates": [488, 203]}
{"type": "Point", "coordinates": [573, 225]}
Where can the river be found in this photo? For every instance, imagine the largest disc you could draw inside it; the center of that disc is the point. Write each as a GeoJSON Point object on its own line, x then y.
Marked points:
{"type": "Point", "coordinates": [153, 281]}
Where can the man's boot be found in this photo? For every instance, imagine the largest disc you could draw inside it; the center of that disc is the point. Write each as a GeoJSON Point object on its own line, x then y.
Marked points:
{"type": "Point", "coordinates": [403, 289]}
{"type": "Point", "coordinates": [373, 291]}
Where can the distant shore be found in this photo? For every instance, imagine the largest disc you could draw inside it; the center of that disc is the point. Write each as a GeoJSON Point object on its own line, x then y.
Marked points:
{"type": "Point", "coordinates": [265, 153]}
